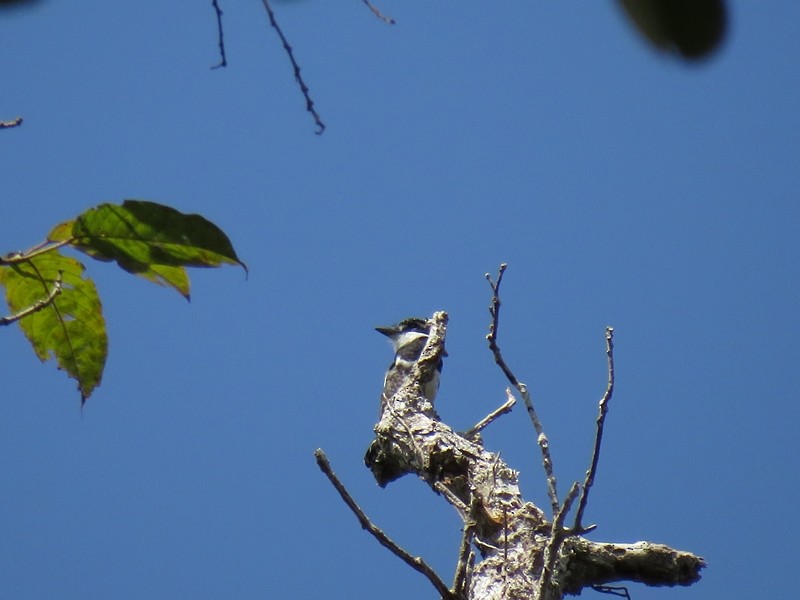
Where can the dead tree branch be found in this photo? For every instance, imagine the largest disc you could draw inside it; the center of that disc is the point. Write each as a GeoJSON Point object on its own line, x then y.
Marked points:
{"type": "Point", "coordinates": [641, 562]}
{"type": "Point", "coordinates": [298, 77]}
{"type": "Point", "coordinates": [509, 548]}
{"type": "Point", "coordinates": [541, 438]}
{"type": "Point", "coordinates": [9, 124]}
{"type": "Point", "coordinates": [551, 550]}
{"type": "Point", "coordinates": [223, 62]}
{"type": "Point", "coordinates": [505, 408]}
{"type": "Point", "coordinates": [415, 562]}
{"type": "Point", "coordinates": [598, 438]}
{"type": "Point", "coordinates": [386, 19]}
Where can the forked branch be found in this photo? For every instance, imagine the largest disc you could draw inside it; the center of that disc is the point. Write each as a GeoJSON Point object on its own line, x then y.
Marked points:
{"type": "Point", "coordinates": [223, 61]}
{"type": "Point", "coordinates": [509, 548]}
{"type": "Point", "coordinates": [541, 438]}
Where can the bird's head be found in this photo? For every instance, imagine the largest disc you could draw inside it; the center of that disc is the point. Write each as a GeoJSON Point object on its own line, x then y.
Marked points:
{"type": "Point", "coordinates": [407, 332]}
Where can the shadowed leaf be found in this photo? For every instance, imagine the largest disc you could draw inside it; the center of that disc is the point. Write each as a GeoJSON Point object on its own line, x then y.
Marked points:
{"type": "Point", "coordinates": [150, 240]}
{"type": "Point", "coordinates": [71, 329]}
{"type": "Point", "coordinates": [692, 28]}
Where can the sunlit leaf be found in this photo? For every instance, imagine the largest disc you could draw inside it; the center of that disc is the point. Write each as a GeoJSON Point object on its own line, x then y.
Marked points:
{"type": "Point", "coordinates": [61, 232]}
{"type": "Point", "coordinates": [150, 240]}
{"type": "Point", "coordinates": [175, 277]}
{"type": "Point", "coordinates": [71, 329]}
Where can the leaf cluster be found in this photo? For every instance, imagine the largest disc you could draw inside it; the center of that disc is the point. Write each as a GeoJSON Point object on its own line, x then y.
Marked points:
{"type": "Point", "coordinates": [57, 306]}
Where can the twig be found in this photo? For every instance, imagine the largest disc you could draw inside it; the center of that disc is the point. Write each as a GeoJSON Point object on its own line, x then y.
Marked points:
{"type": "Point", "coordinates": [222, 60]}
{"type": "Point", "coordinates": [483, 423]}
{"type": "Point", "coordinates": [601, 418]}
{"type": "Point", "coordinates": [614, 590]}
{"type": "Point", "coordinates": [13, 123]}
{"type": "Point", "coordinates": [494, 310]}
{"type": "Point", "coordinates": [20, 257]}
{"type": "Point", "coordinates": [464, 574]}
{"type": "Point", "coordinates": [36, 306]}
{"type": "Point", "coordinates": [457, 503]}
{"type": "Point", "coordinates": [544, 445]}
{"type": "Point", "coordinates": [379, 14]}
{"type": "Point", "coordinates": [290, 53]}
{"type": "Point", "coordinates": [415, 562]}
{"type": "Point", "coordinates": [466, 558]}
{"type": "Point", "coordinates": [557, 535]}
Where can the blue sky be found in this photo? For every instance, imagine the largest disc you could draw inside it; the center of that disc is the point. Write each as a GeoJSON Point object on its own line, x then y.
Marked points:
{"type": "Point", "coordinates": [622, 187]}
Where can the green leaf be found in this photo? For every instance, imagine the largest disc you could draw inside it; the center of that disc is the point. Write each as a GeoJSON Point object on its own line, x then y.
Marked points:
{"type": "Point", "coordinates": [71, 329]}
{"type": "Point", "coordinates": [61, 232]}
{"type": "Point", "coordinates": [175, 277]}
{"type": "Point", "coordinates": [150, 240]}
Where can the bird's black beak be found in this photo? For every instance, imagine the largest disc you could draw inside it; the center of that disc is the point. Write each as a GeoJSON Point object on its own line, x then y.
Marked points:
{"type": "Point", "coordinates": [387, 331]}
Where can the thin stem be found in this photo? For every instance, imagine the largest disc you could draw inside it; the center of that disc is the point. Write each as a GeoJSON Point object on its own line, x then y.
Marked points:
{"type": "Point", "coordinates": [614, 590]}
{"type": "Point", "coordinates": [290, 53]}
{"type": "Point", "coordinates": [220, 37]}
{"type": "Point", "coordinates": [466, 556]}
{"type": "Point", "coordinates": [483, 423]}
{"type": "Point", "coordinates": [21, 257]}
{"type": "Point", "coordinates": [415, 562]}
{"type": "Point", "coordinates": [386, 19]}
{"type": "Point", "coordinates": [557, 535]}
{"type": "Point", "coordinates": [9, 124]}
{"type": "Point", "coordinates": [601, 419]}
{"type": "Point", "coordinates": [541, 438]}
{"type": "Point", "coordinates": [36, 306]}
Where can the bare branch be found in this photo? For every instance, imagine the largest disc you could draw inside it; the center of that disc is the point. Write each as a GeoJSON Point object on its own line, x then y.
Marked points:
{"type": "Point", "coordinates": [551, 550]}
{"type": "Point", "coordinates": [601, 418]}
{"type": "Point", "coordinates": [483, 423]}
{"type": "Point", "coordinates": [13, 123]}
{"type": "Point", "coordinates": [290, 53]}
{"type": "Point", "coordinates": [457, 502]}
{"type": "Point", "coordinates": [36, 306]}
{"type": "Point", "coordinates": [509, 549]}
{"type": "Point", "coordinates": [466, 564]}
{"type": "Point", "coordinates": [613, 590]}
{"type": "Point", "coordinates": [415, 562]}
{"type": "Point", "coordinates": [544, 445]}
{"type": "Point", "coordinates": [379, 14]}
{"type": "Point", "coordinates": [598, 563]}
{"type": "Point", "coordinates": [466, 557]}
{"type": "Point", "coordinates": [494, 311]}
{"type": "Point", "coordinates": [220, 37]}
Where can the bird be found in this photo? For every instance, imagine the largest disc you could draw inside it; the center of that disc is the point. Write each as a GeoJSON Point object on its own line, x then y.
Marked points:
{"type": "Point", "coordinates": [408, 338]}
